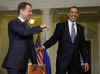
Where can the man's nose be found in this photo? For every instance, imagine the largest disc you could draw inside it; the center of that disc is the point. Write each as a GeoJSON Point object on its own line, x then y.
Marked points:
{"type": "Point", "coordinates": [74, 13]}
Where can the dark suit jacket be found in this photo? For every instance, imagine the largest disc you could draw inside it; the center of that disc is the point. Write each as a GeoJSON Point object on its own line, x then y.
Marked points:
{"type": "Point", "coordinates": [68, 53]}
{"type": "Point", "coordinates": [21, 46]}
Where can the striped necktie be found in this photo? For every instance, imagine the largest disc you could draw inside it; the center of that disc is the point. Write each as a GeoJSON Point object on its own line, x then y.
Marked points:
{"type": "Point", "coordinates": [73, 33]}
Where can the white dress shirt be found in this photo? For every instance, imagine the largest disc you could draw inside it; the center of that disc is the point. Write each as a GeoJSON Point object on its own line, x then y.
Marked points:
{"type": "Point", "coordinates": [70, 27]}
{"type": "Point", "coordinates": [21, 19]}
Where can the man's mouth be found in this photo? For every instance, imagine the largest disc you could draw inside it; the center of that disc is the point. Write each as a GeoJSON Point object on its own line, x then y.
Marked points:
{"type": "Point", "coordinates": [73, 17]}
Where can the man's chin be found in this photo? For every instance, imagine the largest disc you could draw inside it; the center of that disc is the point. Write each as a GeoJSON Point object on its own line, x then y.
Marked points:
{"type": "Point", "coordinates": [28, 19]}
{"type": "Point", "coordinates": [73, 20]}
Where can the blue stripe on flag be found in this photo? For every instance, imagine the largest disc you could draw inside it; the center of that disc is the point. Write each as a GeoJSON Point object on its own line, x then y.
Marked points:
{"type": "Point", "coordinates": [47, 62]}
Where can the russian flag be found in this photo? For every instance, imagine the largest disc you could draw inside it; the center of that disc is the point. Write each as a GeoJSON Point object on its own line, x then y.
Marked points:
{"type": "Point", "coordinates": [47, 62]}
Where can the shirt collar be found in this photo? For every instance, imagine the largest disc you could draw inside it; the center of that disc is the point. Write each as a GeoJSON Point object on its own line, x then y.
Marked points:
{"type": "Point", "coordinates": [21, 19]}
{"type": "Point", "coordinates": [70, 22]}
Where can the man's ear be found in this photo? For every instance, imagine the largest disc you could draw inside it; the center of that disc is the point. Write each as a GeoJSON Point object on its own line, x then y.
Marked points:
{"type": "Point", "coordinates": [78, 15]}
{"type": "Point", "coordinates": [22, 11]}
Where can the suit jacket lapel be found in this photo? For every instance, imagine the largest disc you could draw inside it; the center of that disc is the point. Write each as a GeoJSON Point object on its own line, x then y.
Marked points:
{"type": "Point", "coordinates": [76, 37]}
{"type": "Point", "coordinates": [18, 20]}
{"type": "Point", "coordinates": [25, 24]}
{"type": "Point", "coordinates": [67, 31]}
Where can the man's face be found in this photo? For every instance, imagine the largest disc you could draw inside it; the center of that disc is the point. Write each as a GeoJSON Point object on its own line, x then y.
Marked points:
{"type": "Point", "coordinates": [73, 14]}
{"type": "Point", "coordinates": [27, 12]}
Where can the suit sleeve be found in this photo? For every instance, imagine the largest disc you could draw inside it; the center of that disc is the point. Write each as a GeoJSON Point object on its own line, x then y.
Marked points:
{"type": "Point", "coordinates": [23, 30]}
{"type": "Point", "coordinates": [84, 47]}
{"type": "Point", "coordinates": [54, 37]}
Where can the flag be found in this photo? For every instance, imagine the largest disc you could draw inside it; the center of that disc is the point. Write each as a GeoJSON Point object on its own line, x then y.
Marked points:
{"type": "Point", "coordinates": [42, 56]}
{"type": "Point", "coordinates": [47, 62]}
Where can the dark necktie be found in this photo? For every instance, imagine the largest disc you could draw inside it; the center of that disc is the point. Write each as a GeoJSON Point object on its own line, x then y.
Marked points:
{"type": "Point", "coordinates": [73, 33]}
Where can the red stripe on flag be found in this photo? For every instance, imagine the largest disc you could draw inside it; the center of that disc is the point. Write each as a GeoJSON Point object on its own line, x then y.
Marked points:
{"type": "Point", "coordinates": [40, 57]}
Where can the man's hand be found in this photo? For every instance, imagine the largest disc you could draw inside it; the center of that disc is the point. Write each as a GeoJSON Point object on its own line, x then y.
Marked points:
{"type": "Point", "coordinates": [45, 26]}
{"type": "Point", "coordinates": [86, 65]}
{"type": "Point", "coordinates": [39, 49]}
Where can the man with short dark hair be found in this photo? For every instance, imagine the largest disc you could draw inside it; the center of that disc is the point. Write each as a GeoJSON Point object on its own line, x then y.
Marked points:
{"type": "Point", "coordinates": [71, 43]}
{"type": "Point", "coordinates": [21, 47]}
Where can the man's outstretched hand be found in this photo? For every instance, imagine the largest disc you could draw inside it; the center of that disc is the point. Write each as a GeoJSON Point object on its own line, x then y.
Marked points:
{"type": "Point", "coordinates": [45, 26]}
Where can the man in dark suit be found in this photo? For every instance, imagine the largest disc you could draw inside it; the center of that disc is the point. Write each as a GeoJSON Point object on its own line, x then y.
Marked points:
{"type": "Point", "coordinates": [21, 47]}
{"type": "Point", "coordinates": [71, 43]}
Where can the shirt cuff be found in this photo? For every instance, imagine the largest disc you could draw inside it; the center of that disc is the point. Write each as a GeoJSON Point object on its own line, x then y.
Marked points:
{"type": "Point", "coordinates": [44, 30]}
{"type": "Point", "coordinates": [43, 46]}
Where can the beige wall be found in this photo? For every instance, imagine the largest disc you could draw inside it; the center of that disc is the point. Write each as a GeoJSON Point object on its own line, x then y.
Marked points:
{"type": "Point", "coordinates": [38, 4]}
